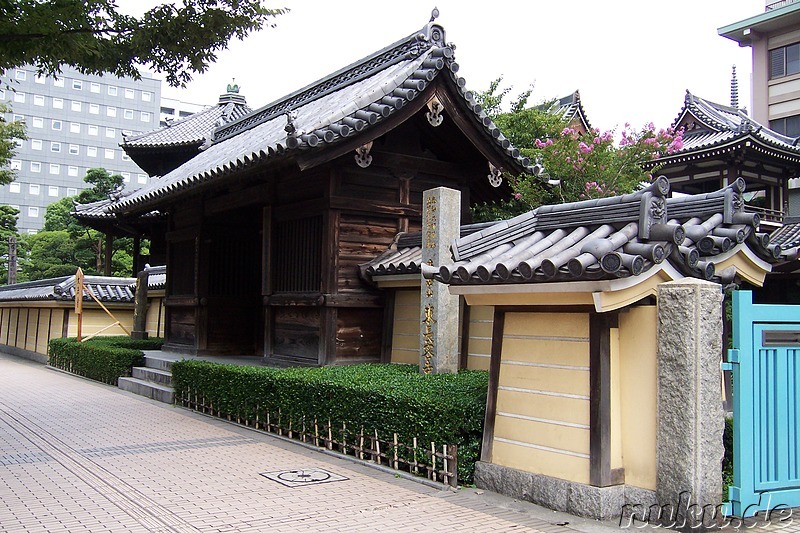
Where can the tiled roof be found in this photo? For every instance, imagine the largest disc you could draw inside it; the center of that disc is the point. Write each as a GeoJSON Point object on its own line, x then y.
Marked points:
{"type": "Point", "coordinates": [600, 239]}
{"type": "Point", "coordinates": [788, 235]}
{"type": "Point", "coordinates": [107, 289]}
{"type": "Point", "coordinates": [102, 209]}
{"type": "Point", "coordinates": [710, 127]}
{"type": "Point", "coordinates": [344, 104]}
{"type": "Point", "coordinates": [193, 130]}
{"type": "Point", "coordinates": [570, 108]}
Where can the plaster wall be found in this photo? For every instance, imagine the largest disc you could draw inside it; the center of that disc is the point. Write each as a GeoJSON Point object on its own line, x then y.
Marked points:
{"type": "Point", "coordinates": [96, 319]}
{"type": "Point", "coordinates": [406, 327]}
{"type": "Point", "coordinates": [542, 420]}
{"type": "Point", "coordinates": [479, 346]}
{"type": "Point", "coordinates": [30, 328]}
{"type": "Point", "coordinates": [637, 377]}
{"type": "Point", "coordinates": [154, 320]}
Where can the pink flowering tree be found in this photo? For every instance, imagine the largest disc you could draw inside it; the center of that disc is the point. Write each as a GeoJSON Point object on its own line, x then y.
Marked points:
{"type": "Point", "coordinates": [590, 164]}
{"type": "Point", "coordinates": [593, 164]}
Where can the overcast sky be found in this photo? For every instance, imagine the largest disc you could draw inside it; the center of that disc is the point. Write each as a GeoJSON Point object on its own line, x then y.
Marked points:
{"type": "Point", "coordinates": [631, 60]}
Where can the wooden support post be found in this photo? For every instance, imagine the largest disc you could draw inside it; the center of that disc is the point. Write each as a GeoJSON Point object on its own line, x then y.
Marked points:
{"type": "Point", "coordinates": [140, 306]}
{"type": "Point", "coordinates": [109, 250]}
{"type": "Point", "coordinates": [600, 325]}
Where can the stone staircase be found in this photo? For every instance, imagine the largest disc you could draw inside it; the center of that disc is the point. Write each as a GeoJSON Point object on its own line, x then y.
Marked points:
{"type": "Point", "coordinates": [154, 380]}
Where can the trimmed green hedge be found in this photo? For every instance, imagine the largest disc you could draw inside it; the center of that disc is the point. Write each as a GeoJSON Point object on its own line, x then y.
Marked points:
{"type": "Point", "coordinates": [103, 359]}
{"type": "Point", "coordinates": [389, 398]}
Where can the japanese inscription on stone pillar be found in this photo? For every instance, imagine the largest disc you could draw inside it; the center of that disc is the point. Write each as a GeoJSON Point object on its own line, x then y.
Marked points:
{"type": "Point", "coordinates": [438, 308]}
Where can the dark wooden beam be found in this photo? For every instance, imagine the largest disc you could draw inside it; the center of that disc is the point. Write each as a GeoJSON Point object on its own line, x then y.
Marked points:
{"type": "Point", "coordinates": [600, 325]}
{"type": "Point", "coordinates": [498, 328]}
{"type": "Point", "coordinates": [464, 359]}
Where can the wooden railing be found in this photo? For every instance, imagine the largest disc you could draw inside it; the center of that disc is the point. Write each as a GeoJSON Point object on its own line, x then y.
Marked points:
{"type": "Point", "coordinates": [778, 5]}
{"type": "Point", "coordinates": [439, 464]}
{"type": "Point", "coordinates": [767, 215]}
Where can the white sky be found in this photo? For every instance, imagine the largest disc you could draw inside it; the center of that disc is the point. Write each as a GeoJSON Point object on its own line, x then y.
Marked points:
{"type": "Point", "coordinates": [631, 60]}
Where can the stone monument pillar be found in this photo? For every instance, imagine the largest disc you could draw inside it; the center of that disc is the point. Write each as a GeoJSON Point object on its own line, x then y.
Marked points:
{"type": "Point", "coordinates": [441, 223]}
{"type": "Point", "coordinates": [689, 445]}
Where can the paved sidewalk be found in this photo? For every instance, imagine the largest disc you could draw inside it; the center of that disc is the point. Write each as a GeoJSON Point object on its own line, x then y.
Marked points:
{"type": "Point", "coordinates": [81, 456]}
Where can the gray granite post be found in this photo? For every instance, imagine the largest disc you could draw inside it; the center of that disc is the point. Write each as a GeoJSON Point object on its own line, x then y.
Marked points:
{"type": "Point", "coordinates": [441, 223]}
{"type": "Point", "coordinates": [689, 445]}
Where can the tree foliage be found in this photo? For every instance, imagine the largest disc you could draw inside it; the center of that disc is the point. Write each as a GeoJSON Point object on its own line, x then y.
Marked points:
{"type": "Point", "coordinates": [10, 133]}
{"type": "Point", "coordinates": [65, 244]}
{"type": "Point", "coordinates": [574, 165]}
{"type": "Point", "coordinates": [94, 37]}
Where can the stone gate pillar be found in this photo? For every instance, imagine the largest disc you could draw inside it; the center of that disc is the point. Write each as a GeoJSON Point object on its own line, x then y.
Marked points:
{"type": "Point", "coordinates": [441, 225]}
{"type": "Point", "coordinates": [689, 445]}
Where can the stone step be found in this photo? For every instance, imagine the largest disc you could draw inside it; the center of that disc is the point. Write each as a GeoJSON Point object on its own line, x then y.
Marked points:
{"type": "Point", "coordinates": [158, 363]}
{"type": "Point", "coordinates": [149, 389]}
{"type": "Point", "coordinates": [155, 375]}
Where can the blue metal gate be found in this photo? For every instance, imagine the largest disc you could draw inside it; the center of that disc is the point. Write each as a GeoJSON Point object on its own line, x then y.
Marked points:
{"type": "Point", "coordinates": [765, 362]}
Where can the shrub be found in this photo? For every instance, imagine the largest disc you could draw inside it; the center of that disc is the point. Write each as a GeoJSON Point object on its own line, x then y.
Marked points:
{"type": "Point", "coordinates": [103, 359]}
{"type": "Point", "coordinates": [389, 398]}
{"type": "Point", "coordinates": [727, 459]}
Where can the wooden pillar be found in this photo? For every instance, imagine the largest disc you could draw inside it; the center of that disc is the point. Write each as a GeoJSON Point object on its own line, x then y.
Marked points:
{"type": "Point", "coordinates": [109, 250]}
{"type": "Point", "coordinates": [140, 306]}
{"type": "Point", "coordinates": [137, 255]}
{"type": "Point", "coordinates": [600, 473]}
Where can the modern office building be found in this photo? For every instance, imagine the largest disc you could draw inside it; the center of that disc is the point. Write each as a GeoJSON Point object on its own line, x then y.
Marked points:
{"type": "Point", "coordinates": [74, 122]}
{"type": "Point", "coordinates": [172, 109]}
{"type": "Point", "coordinates": [774, 37]}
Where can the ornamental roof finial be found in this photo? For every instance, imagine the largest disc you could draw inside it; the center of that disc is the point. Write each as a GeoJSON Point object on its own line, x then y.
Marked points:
{"type": "Point", "coordinates": [434, 14]}
{"type": "Point", "coordinates": [734, 89]}
{"type": "Point", "coordinates": [232, 87]}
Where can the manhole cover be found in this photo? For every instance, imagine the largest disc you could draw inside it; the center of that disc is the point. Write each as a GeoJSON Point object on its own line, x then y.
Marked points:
{"type": "Point", "coordinates": [300, 478]}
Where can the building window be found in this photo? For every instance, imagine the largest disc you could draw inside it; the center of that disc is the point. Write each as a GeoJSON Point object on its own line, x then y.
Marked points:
{"type": "Point", "coordinates": [72, 191]}
{"type": "Point", "coordinates": [36, 144]}
{"type": "Point", "coordinates": [21, 75]}
{"type": "Point", "coordinates": [33, 189]}
{"type": "Point", "coordinates": [2, 94]}
{"type": "Point", "coordinates": [147, 96]}
{"type": "Point", "coordinates": [58, 103]}
{"type": "Point", "coordinates": [129, 93]}
{"type": "Point", "coordinates": [55, 147]}
{"type": "Point", "coordinates": [56, 125]}
{"type": "Point", "coordinates": [125, 157]}
{"type": "Point", "coordinates": [14, 187]}
{"type": "Point", "coordinates": [58, 82]}
{"type": "Point", "coordinates": [111, 133]}
{"type": "Point", "coordinates": [109, 153]}
{"type": "Point", "coordinates": [93, 130]}
{"type": "Point", "coordinates": [74, 149]}
{"type": "Point", "coordinates": [126, 177]}
{"type": "Point", "coordinates": [141, 178]}
{"type": "Point", "coordinates": [37, 122]}
{"type": "Point", "coordinates": [112, 90]}
{"type": "Point", "coordinates": [77, 85]}
{"type": "Point", "coordinates": [145, 116]}
{"type": "Point", "coordinates": [55, 168]}
{"type": "Point", "coordinates": [52, 191]}
{"type": "Point", "coordinates": [111, 111]}
{"type": "Point", "coordinates": [784, 61]}
{"type": "Point", "coordinates": [94, 87]}
{"type": "Point", "coordinates": [76, 106]}
{"type": "Point", "coordinates": [36, 166]}
{"type": "Point", "coordinates": [33, 212]}
{"type": "Point", "coordinates": [94, 109]}
{"type": "Point", "coordinates": [91, 151]}
{"type": "Point", "coordinates": [126, 133]}
{"type": "Point", "coordinates": [789, 126]}
{"type": "Point", "coordinates": [128, 114]}
{"type": "Point", "coordinates": [19, 98]}
{"type": "Point", "coordinates": [39, 79]}
{"type": "Point", "coordinates": [72, 171]}
{"type": "Point", "coordinates": [16, 164]}
{"type": "Point", "coordinates": [38, 99]}
{"type": "Point", "coordinates": [18, 118]}
{"type": "Point", "coordinates": [74, 127]}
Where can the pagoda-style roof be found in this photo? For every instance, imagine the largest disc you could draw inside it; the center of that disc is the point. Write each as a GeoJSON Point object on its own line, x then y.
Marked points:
{"type": "Point", "coordinates": [623, 239]}
{"type": "Point", "coordinates": [186, 135]}
{"type": "Point", "coordinates": [715, 133]}
{"type": "Point", "coordinates": [571, 110]}
{"type": "Point", "coordinates": [99, 215]}
{"type": "Point", "coordinates": [340, 113]}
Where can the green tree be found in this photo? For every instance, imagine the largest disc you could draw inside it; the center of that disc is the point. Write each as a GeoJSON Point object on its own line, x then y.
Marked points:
{"type": "Point", "coordinates": [10, 133]}
{"type": "Point", "coordinates": [572, 165]}
{"type": "Point", "coordinates": [93, 36]}
{"type": "Point", "coordinates": [49, 254]}
{"type": "Point", "coordinates": [8, 228]}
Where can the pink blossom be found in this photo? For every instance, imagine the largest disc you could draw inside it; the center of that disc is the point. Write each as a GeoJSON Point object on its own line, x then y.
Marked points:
{"type": "Point", "coordinates": [584, 148]}
{"type": "Point", "coordinates": [517, 196]}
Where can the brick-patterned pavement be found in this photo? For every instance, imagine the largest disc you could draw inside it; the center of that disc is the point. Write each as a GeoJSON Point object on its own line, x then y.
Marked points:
{"type": "Point", "coordinates": [81, 456]}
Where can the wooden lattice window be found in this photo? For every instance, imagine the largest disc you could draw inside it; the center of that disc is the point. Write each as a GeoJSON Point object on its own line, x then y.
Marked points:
{"type": "Point", "coordinates": [297, 255]}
